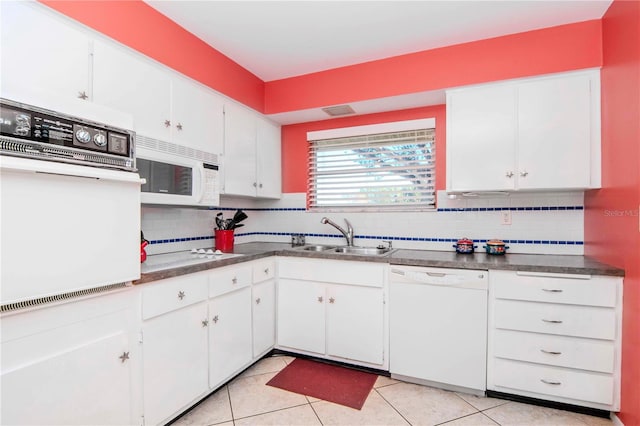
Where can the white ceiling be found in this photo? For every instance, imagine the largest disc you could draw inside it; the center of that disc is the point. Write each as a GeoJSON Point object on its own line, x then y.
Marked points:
{"type": "Point", "coordinates": [281, 39]}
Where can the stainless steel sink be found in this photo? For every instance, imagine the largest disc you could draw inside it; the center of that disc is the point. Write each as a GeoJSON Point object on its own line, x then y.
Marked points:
{"type": "Point", "coordinates": [365, 251]}
{"type": "Point", "coordinates": [316, 248]}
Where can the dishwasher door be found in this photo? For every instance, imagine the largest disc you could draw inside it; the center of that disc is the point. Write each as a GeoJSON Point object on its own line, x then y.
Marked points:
{"type": "Point", "coordinates": [438, 326]}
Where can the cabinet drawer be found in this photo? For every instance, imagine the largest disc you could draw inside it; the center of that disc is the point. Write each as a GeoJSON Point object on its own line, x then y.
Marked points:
{"type": "Point", "coordinates": [555, 381]}
{"type": "Point", "coordinates": [173, 293]}
{"type": "Point", "coordinates": [336, 271]}
{"type": "Point", "coordinates": [228, 279]}
{"type": "Point", "coordinates": [572, 352]}
{"type": "Point", "coordinates": [569, 320]}
{"type": "Point", "coordinates": [555, 288]}
{"type": "Point", "coordinates": [264, 270]}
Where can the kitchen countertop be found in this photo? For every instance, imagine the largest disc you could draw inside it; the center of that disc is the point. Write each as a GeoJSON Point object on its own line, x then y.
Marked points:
{"type": "Point", "coordinates": [565, 264]}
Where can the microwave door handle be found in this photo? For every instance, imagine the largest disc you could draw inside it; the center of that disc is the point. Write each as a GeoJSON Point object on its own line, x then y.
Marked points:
{"type": "Point", "coordinates": [201, 179]}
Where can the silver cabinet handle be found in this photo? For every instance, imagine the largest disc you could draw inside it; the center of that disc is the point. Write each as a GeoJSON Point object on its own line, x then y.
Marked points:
{"type": "Point", "coordinates": [167, 123]}
{"type": "Point", "coordinates": [436, 274]}
{"type": "Point", "coordinates": [124, 357]}
{"type": "Point", "coordinates": [234, 280]}
{"type": "Point", "coordinates": [552, 290]}
{"type": "Point", "coordinates": [179, 126]}
{"type": "Point", "coordinates": [320, 299]}
{"type": "Point", "coordinates": [544, 351]}
{"type": "Point", "coordinates": [181, 295]}
{"type": "Point", "coordinates": [524, 173]}
{"type": "Point", "coordinates": [258, 301]}
{"type": "Point", "coordinates": [255, 184]}
{"type": "Point", "coordinates": [83, 95]}
{"type": "Point", "coordinates": [266, 271]}
{"type": "Point", "coordinates": [260, 185]}
{"type": "Point", "coordinates": [215, 319]}
{"type": "Point", "coordinates": [509, 174]}
{"type": "Point", "coordinates": [332, 300]}
{"type": "Point", "coordinates": [548, 382]}
{"type": "Point", "coordinates": [205, 323]}
{"type": "Point", "coordinates": [552, 321]}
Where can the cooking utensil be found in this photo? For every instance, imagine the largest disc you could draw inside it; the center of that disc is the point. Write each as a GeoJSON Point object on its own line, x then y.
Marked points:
{"type": "Point", "coordinates": [239, 216]}
{"type": "Point", "coordinates": [464, 246]}
{"type": "Point", "coordinates": [495, 247]}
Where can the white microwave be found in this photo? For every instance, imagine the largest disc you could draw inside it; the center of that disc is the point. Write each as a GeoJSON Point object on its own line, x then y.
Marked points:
{"type": "Point", "coordinates": [176, 180]}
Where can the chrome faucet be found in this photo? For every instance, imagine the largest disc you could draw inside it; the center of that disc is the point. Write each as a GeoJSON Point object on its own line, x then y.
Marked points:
{"type": "Point", "coordinates": [348, 234]}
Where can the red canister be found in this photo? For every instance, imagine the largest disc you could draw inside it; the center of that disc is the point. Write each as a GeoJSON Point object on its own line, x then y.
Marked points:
{"type": "Point", "coordinates": [224, 240]}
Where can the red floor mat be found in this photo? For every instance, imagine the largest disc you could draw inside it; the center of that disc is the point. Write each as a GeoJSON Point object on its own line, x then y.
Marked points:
{"type": "Point", "coordinates": [331, 383]}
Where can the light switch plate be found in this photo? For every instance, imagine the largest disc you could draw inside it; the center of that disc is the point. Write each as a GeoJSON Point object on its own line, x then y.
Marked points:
{"type": "Point", "coordinates": [505, 217]}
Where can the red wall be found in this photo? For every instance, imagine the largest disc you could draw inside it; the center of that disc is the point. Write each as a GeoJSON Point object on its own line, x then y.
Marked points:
{"type": "Point", "coordinates": [612, 222]}
{"type": "Point", "coordinates": [139, 26]}
{"type": "Point", "coordinates": [556, 49]}
{"type": "Point", "coordinates": [294, 142]}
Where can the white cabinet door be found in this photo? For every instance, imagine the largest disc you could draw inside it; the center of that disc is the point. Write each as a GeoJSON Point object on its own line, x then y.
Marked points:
{"type": "Point", "coordinates": [264, 317]}
{"type": "Point", "coordinates": [88, 384]}
{"type": "Point", "coordinates": [355, 323]}
{"type": "Point", "coordinates": [174, 361]}
{"type": "Point", "coordinates": [41, 52]}
{"type": "Point", "coordinates": [481, 139]}
{"type": "Point", "coordinates": [197, 116]}
{"type": "Point", "coordinates": [269, 172]}
{"type": "Point", "coordinates": [134, 85]}
{"type": "Point", "coordinates": [239, 151]}
{"type": "Point", "coordinates": [301, 315]}
{"type": "Point", "coordinates": [554, 133]}
{"type": "Point", "coordinates": [230, 347]}
{"type": "Point", "coordinates": [71, 363]}
{"type": "Point", "coordinates": [534, 134]}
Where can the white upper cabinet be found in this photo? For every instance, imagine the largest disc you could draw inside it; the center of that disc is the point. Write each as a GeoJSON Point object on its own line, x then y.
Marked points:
{"type": "Point", "coordinates": [164, 106]}
{"type": "Point", "coordinates": [41, 53]}
{"type": "Point", "coordinates": [481, 131]}
{"type": "Point", "coordinates": [196, 116]}
{"type": "Point", "coordinates": [554, 133]}
{"type": "Point", "coordinates": [268, 165]}
{"type": "Point", "coordinates": [534, 134]}
{"type": "Point", "coordinates": [251, 154]}
{"type": "Point", "coordinates": [134, 85]}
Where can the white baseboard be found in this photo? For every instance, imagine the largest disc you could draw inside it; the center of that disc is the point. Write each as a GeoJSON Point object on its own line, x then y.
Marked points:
{"type": "Point", "coordinates": [616, 421]}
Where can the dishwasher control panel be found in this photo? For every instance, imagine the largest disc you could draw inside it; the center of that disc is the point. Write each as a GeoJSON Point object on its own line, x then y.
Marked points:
{"type": "Point", "coordinates": [467, 278]}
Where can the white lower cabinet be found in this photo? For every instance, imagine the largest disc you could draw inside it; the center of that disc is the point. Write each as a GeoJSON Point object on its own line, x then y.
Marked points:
{"type": "Point", "coordinates": [555, 337]}
{"type": "Point", "coordinates": [175, 361]}
{"type": "Point", "coordinates": [229, 335]}
{"type": "Point", "coordinates": [71, 364]}
{"type": "Point", "coordinates": [174, 342]}
{"type": "Point", "coordinates": [263, 307]}
{"type": "Point", "coordinates": [333, 309]}
{"type": "Point", "coordinates": [197, 333]}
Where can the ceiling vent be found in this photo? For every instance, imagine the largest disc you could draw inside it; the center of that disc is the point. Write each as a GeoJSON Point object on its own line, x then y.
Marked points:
{"type": "Point", "coordinates": [338, 110]}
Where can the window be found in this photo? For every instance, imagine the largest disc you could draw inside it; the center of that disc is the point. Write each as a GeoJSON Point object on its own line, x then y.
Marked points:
{"type": "Point", "coordinates": [390, 170]}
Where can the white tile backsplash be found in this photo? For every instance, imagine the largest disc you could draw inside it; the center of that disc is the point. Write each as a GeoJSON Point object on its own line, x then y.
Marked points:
{"type": "Point", "coordinates": [270, 220]}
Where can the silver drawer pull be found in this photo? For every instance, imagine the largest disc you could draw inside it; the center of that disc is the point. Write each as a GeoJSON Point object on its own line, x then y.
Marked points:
{"type": "Point", "coordinates": [436, 274]}
{"type": "Point", "coordinates": [266, 271]}
{"type": "Point", "coordinates": [181, 295]}
{"type": "Point", "coordinates": [552, 290]}
{"type": "Point", "coordinates": [547, 382]}
{"type": "Point", "coordinates": [234, 280]}
{"type": "Point", "coordinates": [544, 351]}
{"type": "Point", "coordinates": [552, 321]}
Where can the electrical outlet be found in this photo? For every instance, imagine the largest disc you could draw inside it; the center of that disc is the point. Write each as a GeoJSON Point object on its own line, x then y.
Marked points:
{"type": "Point", "coordinates": [505, 217]}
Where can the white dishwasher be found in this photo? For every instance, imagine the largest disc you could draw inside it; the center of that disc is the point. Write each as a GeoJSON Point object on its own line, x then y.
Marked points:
{"type": "Point", "coordinates": [438, 327]}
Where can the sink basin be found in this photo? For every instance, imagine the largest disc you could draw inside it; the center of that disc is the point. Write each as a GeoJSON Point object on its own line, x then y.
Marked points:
{"type": "Point", "coordinates": [367, 251]}
{"type": "Point", "coordinates": [316, 248]}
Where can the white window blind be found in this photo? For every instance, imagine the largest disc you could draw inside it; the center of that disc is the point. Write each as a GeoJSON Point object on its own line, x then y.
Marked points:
{"type": "Point", "coordinates": [386, 170]}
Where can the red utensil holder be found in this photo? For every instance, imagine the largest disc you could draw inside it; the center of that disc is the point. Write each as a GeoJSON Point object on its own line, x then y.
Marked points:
{"type": "Point", "coordinates": [224, 240]}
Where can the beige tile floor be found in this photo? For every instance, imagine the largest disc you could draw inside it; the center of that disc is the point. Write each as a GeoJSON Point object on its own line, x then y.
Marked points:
{"type": "Point", "coordinates": [248, 401]}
